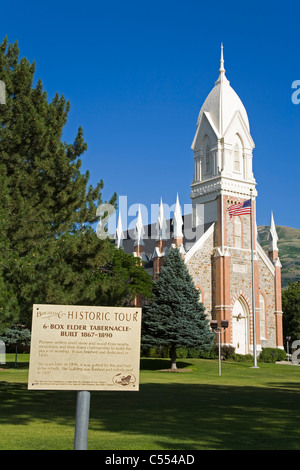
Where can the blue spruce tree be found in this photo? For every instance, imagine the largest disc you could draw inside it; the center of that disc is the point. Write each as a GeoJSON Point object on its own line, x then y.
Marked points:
{"type": "Point", "coordinates": [175, 316]}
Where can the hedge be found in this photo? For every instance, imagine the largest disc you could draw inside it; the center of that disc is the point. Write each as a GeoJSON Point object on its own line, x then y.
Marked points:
{"type": "Point", "coordinates": [272, 355]}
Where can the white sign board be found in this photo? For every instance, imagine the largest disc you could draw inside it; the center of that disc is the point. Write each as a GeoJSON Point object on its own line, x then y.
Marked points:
{"type": "Point", "coordinates": [85, 348]}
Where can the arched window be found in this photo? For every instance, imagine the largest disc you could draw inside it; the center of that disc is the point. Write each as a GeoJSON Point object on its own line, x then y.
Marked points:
{"type": "Point", "coordinates": [237, 232]}
{"type": "Point", "coordinates": [237, 159]}
{"type": "Point", "coordinates": [262, 306]}
{"type": "Point", "coordinates": [207, 160]}
{"type": "Point", "coordinates": [199, 288]}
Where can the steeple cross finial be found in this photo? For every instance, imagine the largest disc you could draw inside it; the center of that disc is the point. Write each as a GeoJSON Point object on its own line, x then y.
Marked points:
{"type": "Point", "coordinates": [222, 70]}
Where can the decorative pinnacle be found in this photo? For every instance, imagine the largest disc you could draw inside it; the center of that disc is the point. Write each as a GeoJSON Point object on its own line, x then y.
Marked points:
{"type": "Point", "coordinates": [161, 223]}
{"type": "Point", "coordinates": [273, 237]}
{"type": "Point", "coordinates": [139, 230]}
{"type": "Point", "coordinates": [177, 220]}
{"type": "Point", "coordinates": [222, 70]}
{"type": "Point", "coordinates": [119, 236]}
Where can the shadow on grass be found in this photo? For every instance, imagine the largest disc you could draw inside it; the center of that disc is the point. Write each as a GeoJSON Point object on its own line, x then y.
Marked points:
{"type": "Point", "coordinates": [206, 416]}
{"type": "Point", "coordinates": [177, 416]}
{"type": "Point", "coordinates": [159, 364]}
{"type": "Point", "coordinates": [13, 365]}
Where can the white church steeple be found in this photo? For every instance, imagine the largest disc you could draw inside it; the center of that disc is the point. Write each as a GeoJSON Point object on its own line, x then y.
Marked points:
{"type": "Point", "coordinates": [222, 149]}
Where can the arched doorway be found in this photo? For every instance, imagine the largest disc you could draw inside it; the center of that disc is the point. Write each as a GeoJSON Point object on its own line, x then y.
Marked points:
{"type": "Point", "coordinates": [240, 326]}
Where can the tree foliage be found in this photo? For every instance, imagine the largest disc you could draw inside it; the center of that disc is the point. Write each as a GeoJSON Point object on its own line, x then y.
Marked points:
{"type": "Point", "coordinates": [291, 311]}
{"type": "Point", "coordinates": [49, 251]}
{"type": "Point", "coordinates": [175, 317]}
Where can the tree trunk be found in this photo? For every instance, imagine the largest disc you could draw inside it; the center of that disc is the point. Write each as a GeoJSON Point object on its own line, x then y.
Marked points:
{"type": "Point", "coordinates": [173, 357]}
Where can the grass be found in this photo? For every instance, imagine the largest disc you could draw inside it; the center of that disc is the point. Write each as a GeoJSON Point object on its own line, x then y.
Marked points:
{"type": "Point", "coordinates": [245, 408]}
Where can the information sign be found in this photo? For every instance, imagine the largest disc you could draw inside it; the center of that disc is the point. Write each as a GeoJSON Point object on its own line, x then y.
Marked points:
{"type": "Point", "coordinates": [85, 348]}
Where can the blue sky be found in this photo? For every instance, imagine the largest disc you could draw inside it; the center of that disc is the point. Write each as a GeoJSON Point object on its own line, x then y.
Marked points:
{"type": "Point", "coordinates": [136, 74]}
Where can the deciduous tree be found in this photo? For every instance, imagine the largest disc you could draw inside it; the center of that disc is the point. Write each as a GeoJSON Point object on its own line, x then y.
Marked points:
{"type": "Point", "coordinates": [291, 311]}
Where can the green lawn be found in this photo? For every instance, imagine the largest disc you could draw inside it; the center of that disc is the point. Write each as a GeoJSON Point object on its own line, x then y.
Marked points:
{"type": "Point", "coordinates": [245, 408]}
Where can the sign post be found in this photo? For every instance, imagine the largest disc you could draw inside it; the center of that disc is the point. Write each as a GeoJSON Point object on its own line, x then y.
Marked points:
{"type": "Point", "coordinates": [82, 420]}
{"type": "Point", "coordinates": [85, 349]}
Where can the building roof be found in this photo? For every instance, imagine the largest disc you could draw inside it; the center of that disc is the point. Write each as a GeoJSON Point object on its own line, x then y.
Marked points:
{"type": "Point", "coordinates": [222, 103]}
{"type": "Point", "coordinates": [190, 236]}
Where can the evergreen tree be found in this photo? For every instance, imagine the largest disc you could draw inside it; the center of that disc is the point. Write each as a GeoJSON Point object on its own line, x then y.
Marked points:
{"type": "Point", "coordinates": [175, 317]}
{"type": "Point", "coordinates": [55, 255]}
{"type": "Point", "coordinates": [8, 303]}
{"type": "Point", "coordinates": [291, 311]}
{"type": "Point", "coordinates": [15, 337]}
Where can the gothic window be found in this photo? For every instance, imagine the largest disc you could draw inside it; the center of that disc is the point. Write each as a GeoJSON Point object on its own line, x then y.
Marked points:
{"type": "Point", "coordinates": [262, 306]}
{"type": "Point", "coordinates": [199, 288]}
{"type": "Point", "coordinates": [237, 232]}
{"type": "Point", "coordinates": [207, 160]}
{"type": "Point", "coordinates": [237, 159]}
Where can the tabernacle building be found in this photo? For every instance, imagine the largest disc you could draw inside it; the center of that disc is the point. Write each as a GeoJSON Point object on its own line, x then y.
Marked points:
{"type": "Point", "coordinates": [216, 247]}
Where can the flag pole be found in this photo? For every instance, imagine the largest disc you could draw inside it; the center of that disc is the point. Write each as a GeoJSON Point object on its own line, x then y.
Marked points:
{"type": "Point", "coordinates": [253, 286]}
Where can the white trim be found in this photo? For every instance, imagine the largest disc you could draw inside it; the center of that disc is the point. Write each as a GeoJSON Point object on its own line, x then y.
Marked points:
{"type": "Point", "coordinates": [265, 258]}
{"type": "Point", "coordinates": [210, 122]}
{"type": "Point", "coordinates": [199, 243]}
{"type": "Point", "coordinates": [245, 128]}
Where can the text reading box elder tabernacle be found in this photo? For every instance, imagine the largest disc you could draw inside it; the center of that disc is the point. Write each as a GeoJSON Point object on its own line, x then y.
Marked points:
{"type": "Point", "coordinates": [85, 348]}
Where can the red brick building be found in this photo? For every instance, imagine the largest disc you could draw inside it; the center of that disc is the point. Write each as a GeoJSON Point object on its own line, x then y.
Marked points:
{"type": "Point", "coordinates": [217, 248]}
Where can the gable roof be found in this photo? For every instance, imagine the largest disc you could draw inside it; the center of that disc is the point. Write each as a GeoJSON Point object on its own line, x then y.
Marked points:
{"type": "Point", "coordinates": [190, 236]}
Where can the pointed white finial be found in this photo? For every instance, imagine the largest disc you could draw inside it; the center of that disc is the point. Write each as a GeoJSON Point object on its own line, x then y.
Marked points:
{"type": "Point", "coordinates": [273, 237]}
{"type": "Point", "coordinates": [161, 225]}
{"type": "Point", "coordinates": [119, 236]}
{"type": "Point", "coordinates": [222, 70]}
{"type": "Point", "coordinates": [139, 230]}
{"type": "Point", "coordinates": [222, 78]}
{"type": "Point", "coordinates": [177, 220]}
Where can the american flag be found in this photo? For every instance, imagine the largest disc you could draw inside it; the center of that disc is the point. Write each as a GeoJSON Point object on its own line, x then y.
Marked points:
{"type": "Point", "coordinates": [240, 209]}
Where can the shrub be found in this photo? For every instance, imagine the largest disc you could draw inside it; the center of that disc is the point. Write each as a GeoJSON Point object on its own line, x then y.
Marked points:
{"type": "Point", "coordinates": [272, 355]}
{"type": "Point", "coordinates": [182, 353]}
{"type": "Point", "coordinates": [194, 353]}
{"type": "Point", "coordinates": [267, 355]}
{"type": "Point", "coordinates": [242, 357]}
{"type": "Point", "coordinates": [155, 352]}
{"type": "Point", "coordinates": [226, 352]}
{"type": "Point", "coordinates": [281, 355]}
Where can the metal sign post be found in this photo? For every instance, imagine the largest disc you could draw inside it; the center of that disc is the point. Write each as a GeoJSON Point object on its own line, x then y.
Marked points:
{"type": "Point", "coordinates": [218, 330]}
{"type": "Point", "coordinates": [82, 420]}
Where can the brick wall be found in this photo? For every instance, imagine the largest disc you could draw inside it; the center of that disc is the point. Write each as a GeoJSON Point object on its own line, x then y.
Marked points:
{"type": "Point", "coordinates": [200, 268]}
